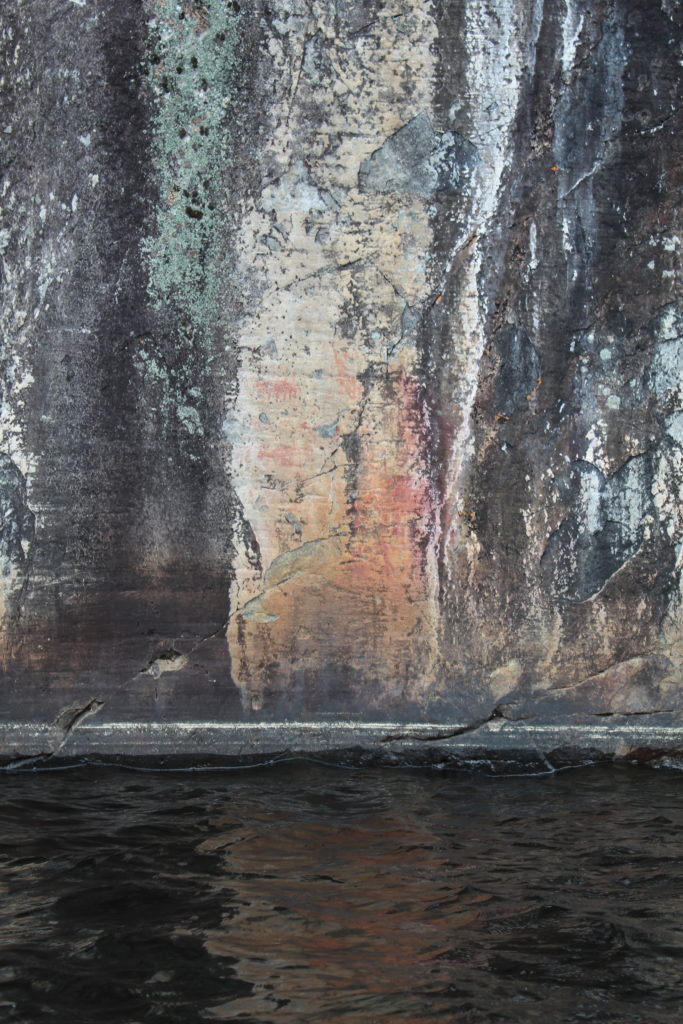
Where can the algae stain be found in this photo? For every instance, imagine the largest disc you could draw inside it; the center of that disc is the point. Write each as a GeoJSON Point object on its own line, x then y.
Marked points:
{"type": "Point", "coordinates": [191, 61]}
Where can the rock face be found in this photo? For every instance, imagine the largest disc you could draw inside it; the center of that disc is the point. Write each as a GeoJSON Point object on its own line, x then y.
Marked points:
{"type": "Point", "coordinates": [341, 369]}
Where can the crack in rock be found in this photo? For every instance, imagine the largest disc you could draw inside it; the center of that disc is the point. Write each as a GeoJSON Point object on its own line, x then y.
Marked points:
{"type": "Point", "coordinates": [498, 712]}
{"type": "Point", "coordinates": [66, 722]}
{"type": "Point", "coordinates": [630, 714]}
{"type": "Point", "coordinates": [71, 718]}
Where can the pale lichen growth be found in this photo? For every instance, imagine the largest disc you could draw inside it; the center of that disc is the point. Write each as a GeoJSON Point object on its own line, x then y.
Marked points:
{"type": "Point", "coordinates": [192, 57]}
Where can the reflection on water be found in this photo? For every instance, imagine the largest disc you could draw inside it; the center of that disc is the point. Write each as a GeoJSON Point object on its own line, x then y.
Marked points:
{"type": "Point", "coordinates": [309, 894]}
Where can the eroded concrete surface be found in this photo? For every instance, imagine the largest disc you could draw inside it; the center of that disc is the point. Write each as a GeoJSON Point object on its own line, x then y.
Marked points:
{"type": "Point", "coordinates": [341, 375]}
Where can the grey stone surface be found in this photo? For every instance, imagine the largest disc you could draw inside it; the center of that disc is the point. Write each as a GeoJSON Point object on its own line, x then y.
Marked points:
{"type": "Point", "coordinates": [341, 375]}
{"type": "Point", "coordinates": [418, 160]}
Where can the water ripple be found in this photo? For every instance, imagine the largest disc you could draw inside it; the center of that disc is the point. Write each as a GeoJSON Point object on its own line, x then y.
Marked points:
{"type": "Point", "coordinates": [304, 894]}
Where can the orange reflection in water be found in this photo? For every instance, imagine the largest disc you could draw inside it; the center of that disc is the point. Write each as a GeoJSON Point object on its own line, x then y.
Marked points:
{"type": "Point", "coordinates": [334, 922]}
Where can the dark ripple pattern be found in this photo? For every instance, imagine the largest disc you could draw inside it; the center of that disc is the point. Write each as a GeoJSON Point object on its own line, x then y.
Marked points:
{"type": "Point", "coordinates": [313, 894]}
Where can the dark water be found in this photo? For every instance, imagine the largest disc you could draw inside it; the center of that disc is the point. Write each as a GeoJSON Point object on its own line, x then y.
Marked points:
{"type": "Point", "coordinates": [313, 894]}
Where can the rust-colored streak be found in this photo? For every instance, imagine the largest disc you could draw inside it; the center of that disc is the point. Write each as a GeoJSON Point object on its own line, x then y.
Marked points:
{"type": "Point", "coordinates": [362, 921]}
{"type": "Point", "coordinates": [329, 455]}
{"type": "Point", "coordinates": [357, 602]}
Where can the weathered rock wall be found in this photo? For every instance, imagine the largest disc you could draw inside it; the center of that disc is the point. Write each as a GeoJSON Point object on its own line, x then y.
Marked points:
{"type": "Point", "coordinates": [341, 372]}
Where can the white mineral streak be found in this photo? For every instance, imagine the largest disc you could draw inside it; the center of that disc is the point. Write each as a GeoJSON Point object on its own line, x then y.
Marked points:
{"type": "Point", "coordinates": [571, 31]}
{"type": "Point", "coordinates": [338, 578]}
{"type": "Point", "coordinates": [667, 492]}
{"type": "Point", "coordinates": [667, 378]}
{"type": "Point", "coordinates": [577, 166]}
{"type": "Point", "coordinates": [15, 329]}
{"type": "Point", "coordinates": [500, 41]}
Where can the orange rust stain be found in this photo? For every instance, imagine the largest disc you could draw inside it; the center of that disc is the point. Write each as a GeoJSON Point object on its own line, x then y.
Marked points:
{"type": "Point", "coordinates": [345, 380]}
{"type": "Point", "coordinates": [356, 918]}
{"type": "Point", "coordinates": [281, 454]}
{"type": "Point", "coordinates": [393, 515]}
{"type": "Point", "coordinates": [281, 390]}
{"type": "Point", "coordinates": [360, 597]}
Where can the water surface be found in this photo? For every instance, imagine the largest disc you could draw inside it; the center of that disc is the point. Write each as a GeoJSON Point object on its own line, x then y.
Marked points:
{"type": "Point", "coordinates": [306, 893]}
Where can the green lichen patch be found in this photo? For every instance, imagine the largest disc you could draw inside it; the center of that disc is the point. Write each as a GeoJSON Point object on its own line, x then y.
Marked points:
{"type": "Point", "coordinates": [172, 397]}
{"type": "Point", "coordinates": [191, 62]}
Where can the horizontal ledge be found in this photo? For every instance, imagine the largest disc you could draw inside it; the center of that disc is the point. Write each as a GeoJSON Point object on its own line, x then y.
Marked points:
{"type": "Point", "coordinates": [327, 726]}
{"type": "Point", "coordinates": [412, 743]}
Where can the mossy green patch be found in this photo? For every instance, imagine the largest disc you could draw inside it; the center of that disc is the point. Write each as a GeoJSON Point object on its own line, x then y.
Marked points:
{"type": "Point", "coordinates": [192, 59]}
{"type": "Point", "coordinates": [171, 395]}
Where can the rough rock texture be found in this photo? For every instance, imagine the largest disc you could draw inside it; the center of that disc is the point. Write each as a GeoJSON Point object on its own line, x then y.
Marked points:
{"type": "Point", "coordinates": [342, 372]}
